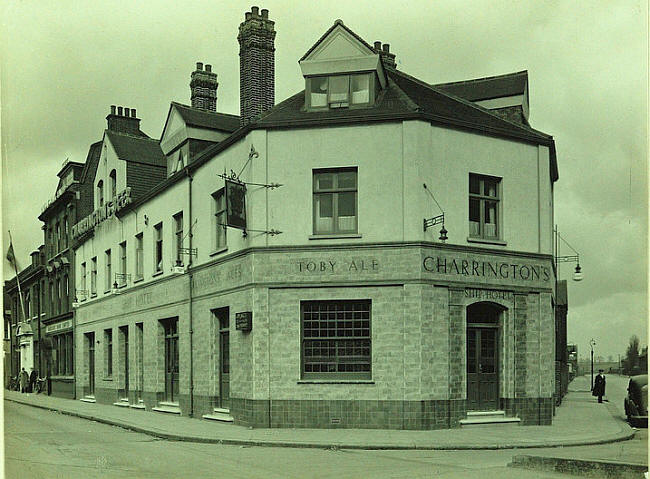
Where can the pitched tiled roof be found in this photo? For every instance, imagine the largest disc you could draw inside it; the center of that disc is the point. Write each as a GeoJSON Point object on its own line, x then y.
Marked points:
{"type": "Point", "coordinates": [498, 86]}
{"type": "Point", "coordinates": [137, 149]}
{"type": "Point", "coordinates": [207, 119]}
{"type": "Point", "coordinates": [404, 97]}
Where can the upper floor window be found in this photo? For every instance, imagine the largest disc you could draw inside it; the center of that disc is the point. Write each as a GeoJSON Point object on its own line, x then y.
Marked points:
{"type": "Point", "coordinates": [340, 91]}
{"type": "Point", "coordinates": [178, 223]}
{"type": "Point", "coordinates": [93, 276]}
{"type": "Point", "coordinates": [113, 178]}
{"type": "Point", "coordinates": [220, 219]}
{"type": "Point", "coordinates": [83, 278]}
{"type": "Point", "coordinates": [58, 237]}
{"type": "Point", "coordinates": [484, 197]}
{"type": "Point", "coordinates": [139, 257]}
{"type": "Point", "coordinates": [123, 263]}
{"type": "Point", "coordinates": [100, 193]}
{"type": "Point", "coordinates": [109, 271]}
{"type": "Point", "coordinates": [65, 232]}
{"type": "Point", "coordinates": [335, 201]}
{"type": "Point", "coordinates": [158, 248]}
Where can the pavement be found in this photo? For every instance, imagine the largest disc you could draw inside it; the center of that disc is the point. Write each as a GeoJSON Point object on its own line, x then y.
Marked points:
{"type": "Point", "coordinates": [580, 420]}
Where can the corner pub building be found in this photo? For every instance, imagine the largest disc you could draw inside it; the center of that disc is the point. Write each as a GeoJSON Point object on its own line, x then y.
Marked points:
{"type": "Point", "coordinates": [286, 273]}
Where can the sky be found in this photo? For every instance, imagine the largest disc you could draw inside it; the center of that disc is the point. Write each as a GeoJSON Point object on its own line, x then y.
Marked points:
{"type": "Point", "coordinates": [64, 63]}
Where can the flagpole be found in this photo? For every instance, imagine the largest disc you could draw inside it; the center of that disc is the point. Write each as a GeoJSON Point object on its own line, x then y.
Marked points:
{"type": "Point", "coordinates": [15, 262]}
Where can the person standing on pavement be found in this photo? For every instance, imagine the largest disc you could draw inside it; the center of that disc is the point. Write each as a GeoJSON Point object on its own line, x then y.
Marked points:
{"type": "Point", "coordinates": [24, 380]}
{"type": "Point", "coordinates": [32, 380]}
{"type": "Point", "coordinates": [599, 385]}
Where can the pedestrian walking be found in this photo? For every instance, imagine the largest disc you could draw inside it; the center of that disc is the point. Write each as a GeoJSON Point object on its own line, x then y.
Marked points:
{"type": "Point", "coordinates": [24, 380]}
{"type": "Point", "coordinates": [599, 385]}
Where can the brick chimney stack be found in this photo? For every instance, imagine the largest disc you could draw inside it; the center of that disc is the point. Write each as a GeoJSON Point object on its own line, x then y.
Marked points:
{"type": "Point", "coordinates": [123, 121]}
{"type": "Point", "coordinates": [203, 87]}
{"type": "Point", "coordinates": [388, 58]}
{"type": "Point", "coordinates": [256, 65]}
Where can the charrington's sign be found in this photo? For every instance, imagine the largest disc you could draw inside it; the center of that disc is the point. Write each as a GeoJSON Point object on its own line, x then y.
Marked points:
{"type": "Point", "coordinates": [109, 209]}
{"type": "Point", "coordinates": [487, 269]}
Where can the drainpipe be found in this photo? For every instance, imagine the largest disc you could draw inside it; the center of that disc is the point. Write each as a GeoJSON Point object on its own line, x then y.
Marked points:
{"type": "Point", "coordinates": [189, 269]}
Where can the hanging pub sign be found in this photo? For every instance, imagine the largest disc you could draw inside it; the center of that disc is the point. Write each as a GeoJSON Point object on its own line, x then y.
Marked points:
{"type": "Point", "coordinates": [236, 204]}
{"type": "Point", "coordinates": [244, 321]}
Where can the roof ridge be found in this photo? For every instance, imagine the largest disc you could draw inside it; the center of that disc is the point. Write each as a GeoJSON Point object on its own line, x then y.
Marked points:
{"type": "Point", "coordinates": [130, 135]}
{"type": "Point", "coordinates": [201, 110]}
{"type": "Point", "coordinates": [474, 105]}
{"type": "Point", "coordinates": [471, 80]}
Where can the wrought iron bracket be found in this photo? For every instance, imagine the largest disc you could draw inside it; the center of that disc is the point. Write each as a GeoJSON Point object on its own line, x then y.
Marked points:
{"type": "Point", "coordinates": [436, 220]}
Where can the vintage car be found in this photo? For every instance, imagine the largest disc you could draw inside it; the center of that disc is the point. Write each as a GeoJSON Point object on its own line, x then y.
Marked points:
{"type": "Point", "coordinates": [636, 402]}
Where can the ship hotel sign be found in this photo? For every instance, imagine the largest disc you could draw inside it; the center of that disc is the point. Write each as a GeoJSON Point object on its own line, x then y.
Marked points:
{"type": "Point", "coordinates": [109, 209]}
{"type": "Point", "coordinates": [486, 269]}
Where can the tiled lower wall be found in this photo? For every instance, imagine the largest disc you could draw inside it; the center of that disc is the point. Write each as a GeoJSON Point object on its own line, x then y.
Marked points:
{"type": "Point", "coordinates": [423, 415]}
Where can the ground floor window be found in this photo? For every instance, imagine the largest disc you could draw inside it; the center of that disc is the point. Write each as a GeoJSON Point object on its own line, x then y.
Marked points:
{"type": "Point", "coordinates": [62, 355]}
{"type": "Point", "coordinates": [336, 339]}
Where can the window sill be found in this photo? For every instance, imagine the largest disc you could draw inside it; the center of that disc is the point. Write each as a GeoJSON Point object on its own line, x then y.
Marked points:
{"type": "Point", "coordinates": [157, 273]}
{"type": "Point", "coordinates": [107, 378]}
{"type": "Point", "coordinates": [93, 295]}
{"type": "Point", "coordinates": [335, 236]}
{"type": "Point", "coordinates": [62, 378]}
{"type": "Point", "coordinates": [137, 280]}
{"type": "Point", "coordinates": [335, 381]}
{"type": "Point", "coordinates": [219, 251]}
{"type": "Point", "coordinates": [108, 291]}
{"type": "Point", "coordinates": [472, 239]}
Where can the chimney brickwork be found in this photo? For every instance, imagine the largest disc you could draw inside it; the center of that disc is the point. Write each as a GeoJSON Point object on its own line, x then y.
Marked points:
{"type": "Point", "coordinates": [388, 58]}
{"type": "Point", "coordinates": [256, 65]}
{"type": "Point", "coordinates": [203, 87]}
{"type": "Point", "coordinates": [123, 121]}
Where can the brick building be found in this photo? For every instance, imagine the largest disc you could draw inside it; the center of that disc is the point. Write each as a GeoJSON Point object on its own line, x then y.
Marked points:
{"type": "Point", "coordinates": [286, 293]}
{"type": "Point", "coordinates": [23, 317]}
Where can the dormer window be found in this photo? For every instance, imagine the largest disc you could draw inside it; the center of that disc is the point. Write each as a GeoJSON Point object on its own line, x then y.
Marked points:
{"type": "Point", "coordinates": [340, 91]}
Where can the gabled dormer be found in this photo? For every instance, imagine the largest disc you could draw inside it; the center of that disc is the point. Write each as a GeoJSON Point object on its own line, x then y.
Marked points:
{"type": "Point", "coordinates": [343, 71]}
{"type": "Point", "coordinates": [189, 130]}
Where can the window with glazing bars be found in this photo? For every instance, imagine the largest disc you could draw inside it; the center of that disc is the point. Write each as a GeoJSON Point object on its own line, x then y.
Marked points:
{"type": "Point", "coordinates": [484, 206]}
{"type": "Point", "coordinates": [336, 339]}
{"type": "Point", "coordinates": [335, 201]}
{"type": "Point", "coordinates": [178, 222]}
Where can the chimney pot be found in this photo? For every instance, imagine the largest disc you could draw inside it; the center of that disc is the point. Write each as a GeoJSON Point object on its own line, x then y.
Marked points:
{"type": "Point", "coordinates": [199, 66]}
{"type": "Point", "coordinates": [255, 10]}
{"type": "Point", "coordinates": [127, 112]}
{"type": "Point", "coordinates": [119, 111]}
{"type": "Point", "coordinates": [132, 112]}
{"type": "Point", "coordinates": [248, 15]}
{"type": "Point", "coordinates": [386, 47]}
{"type": "Point", "coordinates": [377, 45]}
{"type": "Point", "coordinates": [208, 68]}
{"type": "Point", "coordinates": [112, 109]}
{"type": "Point", "coordinates": [265, 13]}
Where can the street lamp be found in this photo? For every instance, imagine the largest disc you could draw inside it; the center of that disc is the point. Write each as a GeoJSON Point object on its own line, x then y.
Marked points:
{"type": "Point", "coordinates": [577, 274]}
{"type": "Point", "coordinates": [436, 220]}
{"type": "Point", "coordinates": [592, 343]}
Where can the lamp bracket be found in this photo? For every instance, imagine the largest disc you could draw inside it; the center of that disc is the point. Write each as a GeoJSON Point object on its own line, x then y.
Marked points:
{"type": "Point", "coordinates": [188, 251]}
{"type": "Point", "coordinates": [436, 220]}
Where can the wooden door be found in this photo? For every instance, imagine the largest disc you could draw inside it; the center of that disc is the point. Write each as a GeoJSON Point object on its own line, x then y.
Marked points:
{"type": "Point", "coordinates": [171, 360]}
{"type": "Point", "coordinates": [482, 369]}
{"type": "Point", "coordinates": [91, 364]}
{"type": "Point", "coordinates": [224, 357]}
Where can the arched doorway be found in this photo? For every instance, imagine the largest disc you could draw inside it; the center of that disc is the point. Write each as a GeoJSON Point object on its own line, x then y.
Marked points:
{"type": "Point", "coordinates": [482, 356]}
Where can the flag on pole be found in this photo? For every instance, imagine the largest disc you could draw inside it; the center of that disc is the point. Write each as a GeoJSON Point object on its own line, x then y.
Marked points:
{"type": "Point", "coordinates": [11, 256]}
